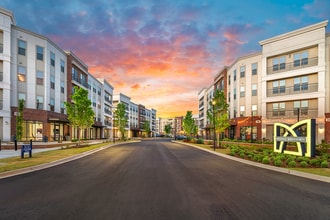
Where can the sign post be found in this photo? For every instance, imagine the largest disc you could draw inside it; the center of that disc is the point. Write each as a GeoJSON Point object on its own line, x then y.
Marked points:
{"type": "Point", "coordinates": [26, 149]}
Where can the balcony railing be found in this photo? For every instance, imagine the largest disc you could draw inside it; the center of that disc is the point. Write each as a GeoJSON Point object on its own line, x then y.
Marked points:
{"type": "Point", "coordinates": [1, 47]}
{"type": "Point", "coordinates": [1, 76]}
{"type": "Point", "coordinates": [1, 104]}
{"type": "Point", "coordinates": [293, 113]}
{"type": "Point", "coordinates": [282, 67]}
{"type": "Point", "coordinates": [289, 90]}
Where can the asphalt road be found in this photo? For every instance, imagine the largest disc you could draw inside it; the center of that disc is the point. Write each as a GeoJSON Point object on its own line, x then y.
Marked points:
{"type": "Point", "coordinates": [161, 180]}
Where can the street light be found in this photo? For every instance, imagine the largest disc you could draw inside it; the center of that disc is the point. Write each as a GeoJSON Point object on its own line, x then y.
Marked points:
{"type": "Point", "coordinates": [113, 127]}
{"type": "Point", "coordinates": [214, 139]}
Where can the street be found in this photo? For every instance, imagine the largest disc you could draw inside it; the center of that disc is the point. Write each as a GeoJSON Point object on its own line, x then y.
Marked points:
{"type": "Point", "coordinates": [158, 179]}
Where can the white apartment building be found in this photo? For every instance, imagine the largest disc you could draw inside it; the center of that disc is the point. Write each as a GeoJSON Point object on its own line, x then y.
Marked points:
{"type": "Point", "coordinates": [204, 96]}
{"type": "Point", "coordinates": [121, 98]}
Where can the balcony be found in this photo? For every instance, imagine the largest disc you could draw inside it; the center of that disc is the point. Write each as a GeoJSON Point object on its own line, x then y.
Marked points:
{"type": "Point", "coordinates": [304, 113]}
{"type": "Point", "coordinates": [1, 76]}
{"type": "Point", "coordinates": [292, 66]}
{"type": "Point", "coordinates": [290, 90]}
{"type": "Point", "coordinates": [1, 47]}
{"type": "Point", "coordinates": [1, 104]}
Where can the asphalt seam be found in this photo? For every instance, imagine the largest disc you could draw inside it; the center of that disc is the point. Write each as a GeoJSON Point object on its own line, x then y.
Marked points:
{"type": "Point", "coordinates": [265, 166]}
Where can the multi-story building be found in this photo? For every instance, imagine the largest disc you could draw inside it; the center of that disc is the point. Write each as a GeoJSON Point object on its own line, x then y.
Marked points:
{"type": "Point", "coordinates": [287, 81]}
{"type": "Point", "coordinates": [204, 127]}
{"type": "Point", "coordinates": [35, 69]}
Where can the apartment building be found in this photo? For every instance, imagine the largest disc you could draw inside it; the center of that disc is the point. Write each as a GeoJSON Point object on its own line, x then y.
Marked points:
{"type": "Point", "coordinates": [287, 81]}
{"type": "Point", "coordinates": [204, 99]}
{"type": "Point", "coordinates": [295, 79]}
{"type": "Point", "coordinates": [35, 69]}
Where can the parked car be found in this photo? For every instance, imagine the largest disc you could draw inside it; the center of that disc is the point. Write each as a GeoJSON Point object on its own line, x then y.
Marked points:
{"type": "Point", "coordinates": [180, 137]}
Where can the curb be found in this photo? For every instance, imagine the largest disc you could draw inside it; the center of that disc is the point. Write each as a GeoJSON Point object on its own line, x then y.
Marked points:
{"type": "Point", "coordinates": [11, 173]}
{"type": "Point", "coordinates": [264, 166]}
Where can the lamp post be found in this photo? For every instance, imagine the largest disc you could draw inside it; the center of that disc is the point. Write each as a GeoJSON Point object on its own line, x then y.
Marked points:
{"type": "Point", "coordinates": [113, 128]}
{"type": "Point", "coordinates": [214, 138]}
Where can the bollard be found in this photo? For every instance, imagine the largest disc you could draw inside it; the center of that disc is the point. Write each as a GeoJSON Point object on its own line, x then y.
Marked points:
{"type": "Point", "coordinates": [15, 141]}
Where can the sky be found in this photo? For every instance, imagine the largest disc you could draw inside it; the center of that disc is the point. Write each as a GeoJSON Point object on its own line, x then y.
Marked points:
{"type": "Point", "coordinates": [162, 53]}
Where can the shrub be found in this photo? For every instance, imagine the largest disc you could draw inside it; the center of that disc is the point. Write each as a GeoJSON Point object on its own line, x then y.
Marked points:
{"type": "Point", "coordinates": [299, 159]}
{"type": "Point", "coordinates": [265, 160]}
{"type": "Point", "coordinates": [278, 162]}
{"type": "Point", "coordinates": [303, 164]}
{"type": "Point", "coordinates": [292, 163]}
{"type": "Point", "coordinates": [200, 141]}
{"type": "Point", "coordinates": [250, 156]}
{"type": "Point", "coordinates": [315, 162]}
{"type": "Point", "coordinates": [324, 164]}
{"type": "Point", "coordinates": [242, 155]}
{"type": "Point", "coordinates": [255, 157]}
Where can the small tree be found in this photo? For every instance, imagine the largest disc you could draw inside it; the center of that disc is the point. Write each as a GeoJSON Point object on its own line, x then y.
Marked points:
{"type": "Point", "coordinates": [220, 114]}
{"type": "Point", "coordinates": [19, 120]}
{"type": "Point", "coordinates": [121, 119]}
{"type": "Point", "coordinates": [80, 112]}
{"type": "Point", "coordinates": [189, 125]}
{"type": "Point", "coordinates": [168, 129]}
{"type": "Point", "coordinates": [146, 127]}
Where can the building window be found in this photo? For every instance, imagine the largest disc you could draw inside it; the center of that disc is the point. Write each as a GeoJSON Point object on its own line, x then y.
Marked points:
{"type": "Point", "coordinates": [21, 47]}
{"type": "Point", "coordinates": [242, 91]}
{"type": "Point", "coordinates": [254, 67]}
{"type": "Point", "coordinates": [242, 71]}
{"type": "Point", "coordinates": [300, 83]}
{"type": "Point", "coordinates": [52, 59]}
{"type": "Point", "coordinates": [40, 53]}
{"type": "Point", "coordinates": [62, 107]}
{"type": "Point", "coordinates": [279, 109]}
{"type": "Point", "coordinates": [52, 105]}
{"type": "Point", "coordinates": [228, 79]}
{"type": "Point", "coordinates": [234, 75]}
{"type": "Point", "coordinates": [279, 63]}
{"type": "Point", "coordinates": [254, 110]}
{"type": "Point", "coordinates": [22, 96]}
{"type": "Point", "coordinates": [228, 96]}
{"type": "Point", "coordinates": [254, 89]}
{"type": "Point", "coordinates": [21, 73]}
{"type": "Point", "coordinates": [40, 102]}
{"type": "Point", "coordinates": [300, 107]}
{"type": "Point", "coordinates": [62, 87]}
{"type": "Point", "coordinates": [242, 110]}
{"type": "Point", "coordinates": [300, 59]}
{"type": "Point", "coordinates": [62, 66]}
{"type": "Point", "coordinates": [279, 87]}
{"type": "Point", "coordinates": [40, 78]}
{"type": "Point", "coordinates": [235, 94]}
{"type": "Point", "coordinates": [52, 82]}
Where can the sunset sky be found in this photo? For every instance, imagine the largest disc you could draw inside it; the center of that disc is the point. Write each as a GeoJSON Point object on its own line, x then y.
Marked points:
{"type": "Point", "coordinates": [161, 53]}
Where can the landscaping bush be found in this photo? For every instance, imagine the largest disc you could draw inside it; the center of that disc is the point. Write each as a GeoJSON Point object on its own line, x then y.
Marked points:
{"type": "Point", "coordinates": [278, 162]}
{"type": "Point", "coordinates": [324, 164]}
{"type": "Point", "coordinates": [315, 162]}
{"type": "Point", "coordinates": [265, 160]}
{"type": "Point", "coordinates": [292, 164]}
{"type": "Point", "coordinates": [242, 155]}
{"type": "Point", "coordinates": [200, 141]}
{"type": "Point", "coordinates": [303, 164]}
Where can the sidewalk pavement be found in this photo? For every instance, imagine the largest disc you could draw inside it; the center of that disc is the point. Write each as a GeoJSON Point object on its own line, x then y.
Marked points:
{"type": "Point", "coordinates": [13, 153]}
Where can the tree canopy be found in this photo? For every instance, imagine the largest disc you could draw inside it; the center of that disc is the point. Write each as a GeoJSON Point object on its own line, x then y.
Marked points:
{"type": "Point", "coordinates": [79, 111]}
{"type": "Point", "coordinates": [189, 125]}
{"type": "Point", "coordinates": [146, 127]}
{"type": "Point", "coordinates": [168, 128]}
{"type": "Point", "coordinates": [121, 118]}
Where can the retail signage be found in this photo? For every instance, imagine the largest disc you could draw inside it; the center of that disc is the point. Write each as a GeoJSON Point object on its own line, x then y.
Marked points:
{"type": "Point", "coordinates": [305, 143]}
{"type": "Point", "coordinates": [26, 149]}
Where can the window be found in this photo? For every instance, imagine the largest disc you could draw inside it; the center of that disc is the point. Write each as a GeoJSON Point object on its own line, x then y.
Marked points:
{"type": "Point", "coordinates": [40, 53]}
{"type": "Point", "coordinates": [242, 110]}
{"type": "Point", "coordinates": [52, 104]}
{"type": "Point", "coordinates": [228, 96]}
{"type": "Point", "coordinates": [52, 59]}
{"type": "Point", "coordinates": [234, 75]}
{"type": "Point", "coordinates": [21, 73]}
{"type": "Point", "coordinates": [254, 110]}
{"type": "Point", "coordinates": [228, 79]}
{"type": "Point", "coordinates": [62, 107]}
{"type": "Point", "coordinates": [62, 66]}
{"type": "Point", "coordinates": [40, 102]}
{"type": "Point", "coordinates": [40, 78]}
{"type": "Point", "coordinates": [300, 107]}
{"type": "Point", "coordinates": [242, 71]}
{"type": "Point", "coordinates": [235, 94]}
{"type": "Point", "coordinates": [279, 86]}
{"type": "Point", "coordinates": [300, 83]}
{"type": "Point", "coordinates": [52, 82]}
{"type": "Point", "coordinates": [254, 89]}
{"type": "Point", "coordinates": [300, 59]}
{"type": "Point", "coordinates": [278, 63]}
{"type": "Point", "coordinates": [279, 109]}
{"type": "Point", "coordinates": [22, 96]}
{"type": "Point", "coordinates": [242, 91]}
{"type": "Point", "coordinates": [21, 47]}
{"type": "Point", "coordinates": [62, 87]}
{"type": "Point", "coordinates": [254, 68]}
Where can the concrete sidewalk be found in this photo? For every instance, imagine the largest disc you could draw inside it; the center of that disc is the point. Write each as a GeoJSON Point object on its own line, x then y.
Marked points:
{"type": "Point", "coordinates": [13, 153]}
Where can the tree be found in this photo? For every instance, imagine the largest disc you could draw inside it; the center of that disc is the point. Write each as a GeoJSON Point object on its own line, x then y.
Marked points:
{"type": "Point", "coordinates": [168, 129]}
{"type": "Point", "coordinates": [121, 118]}
{"type": "Point", "coordinates": [189, 125]}
{"type": "Point", "coordinates": [19, 120]}
{"type": "Point", "coordinates": [220, 114]}
{"type": "Point", "coordinates": [146, 127]}
{"type": "Point", "coordinates": [79, 111]}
